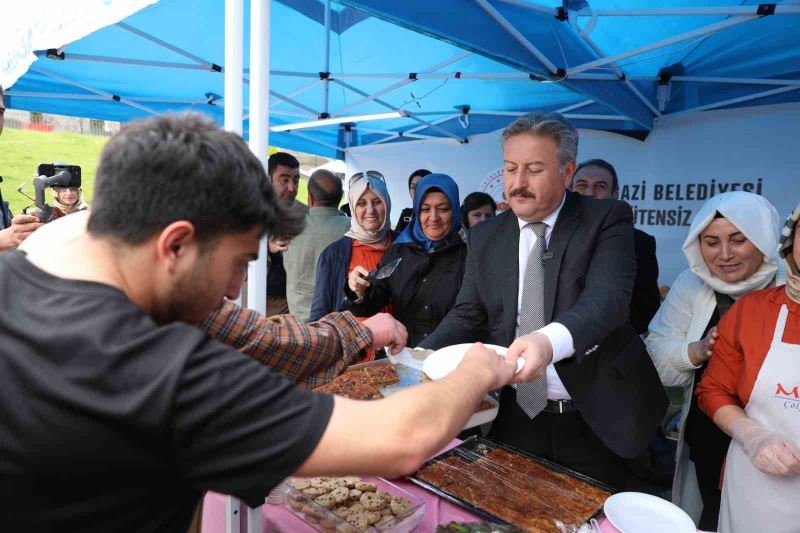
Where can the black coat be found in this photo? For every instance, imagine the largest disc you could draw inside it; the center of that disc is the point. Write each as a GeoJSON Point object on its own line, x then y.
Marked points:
{"type": "Point", "coordinates": [422, 289]}
{"type": "Point", "coordinates": [589, 278]}
{"type": "Point", "coordinates": [646, 298]}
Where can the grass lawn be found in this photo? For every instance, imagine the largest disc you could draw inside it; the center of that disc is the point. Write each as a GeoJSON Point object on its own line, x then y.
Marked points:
{"type": "Point", "coordinates": [22, 151]}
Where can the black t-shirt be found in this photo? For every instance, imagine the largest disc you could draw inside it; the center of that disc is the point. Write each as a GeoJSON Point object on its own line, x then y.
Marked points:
{"type": "Point", "coordinates": [110, 422]}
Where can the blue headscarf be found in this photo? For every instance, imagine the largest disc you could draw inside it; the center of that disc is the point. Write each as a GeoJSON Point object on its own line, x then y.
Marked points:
{"type": "Point", "coordinates": [413, 232]}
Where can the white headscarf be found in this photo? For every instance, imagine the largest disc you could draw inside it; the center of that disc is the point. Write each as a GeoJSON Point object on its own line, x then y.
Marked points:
{"type": "Point", "coordinates": [353, 195]}
{"type": "Point", "coordinates": [757, 219]}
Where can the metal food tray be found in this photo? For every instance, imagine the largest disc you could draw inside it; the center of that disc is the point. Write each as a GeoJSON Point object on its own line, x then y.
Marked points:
{"type": "Point", "coordinates": [471, 444]}
{"type": "Point", "coordinates": [411, 377]}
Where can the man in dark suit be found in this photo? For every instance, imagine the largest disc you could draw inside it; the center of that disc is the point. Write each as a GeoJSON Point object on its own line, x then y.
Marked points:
{"type": "Point", "coordinates": [598, 178]}
{"type": "Point", "coordinates": [552, 279]}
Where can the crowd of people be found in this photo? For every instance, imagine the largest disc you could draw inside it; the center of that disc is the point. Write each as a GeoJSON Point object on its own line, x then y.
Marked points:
{"type": "Point", "coordinates": [125, 398]}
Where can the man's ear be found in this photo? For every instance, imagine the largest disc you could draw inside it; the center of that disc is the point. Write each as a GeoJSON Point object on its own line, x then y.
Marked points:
{"type": "Point", "coordinates": [615, 195]}
{"type": "Point", "coordinates": [174, 242]}
{"type": "Point", "coordinates": [569, 173]}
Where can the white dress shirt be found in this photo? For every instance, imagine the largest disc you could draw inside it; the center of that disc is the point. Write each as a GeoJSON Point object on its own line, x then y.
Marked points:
{"type": "Point", "coordinates": [559, 335]}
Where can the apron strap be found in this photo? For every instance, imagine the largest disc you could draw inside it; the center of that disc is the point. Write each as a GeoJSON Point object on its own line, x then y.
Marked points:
{"type": "Point", "coordinates": [780, 325]}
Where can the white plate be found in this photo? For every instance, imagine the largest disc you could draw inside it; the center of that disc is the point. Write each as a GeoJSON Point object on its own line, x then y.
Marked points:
{"type": "Point", "coordinates": [636, 512]}
{"type": "Point", "coordinates": [445, 360]}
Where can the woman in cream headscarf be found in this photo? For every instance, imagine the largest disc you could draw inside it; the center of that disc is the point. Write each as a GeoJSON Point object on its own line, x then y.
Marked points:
{"type": "Point", "coordinates": [732, 250]}
{"type": "Point", "coordinates": [68, 200]}
{"type": "Point", "coordinates": [369, 237]}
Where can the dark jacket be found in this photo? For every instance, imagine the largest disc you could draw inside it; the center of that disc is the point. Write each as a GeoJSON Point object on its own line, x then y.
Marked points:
{"type": "Point", "coordinates": [646, 299]}
{"type": "Point", "coordinates": [422, 289]}
{"type": "Point", "coordinates": [405, 218]}
{"type": "Point", "coordinates": [589, 276]}
{"type": "Point", "coordinates": [331, 277]}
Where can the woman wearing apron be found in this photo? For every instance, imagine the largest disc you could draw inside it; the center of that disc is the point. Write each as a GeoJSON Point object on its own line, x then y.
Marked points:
{"type": "Point", "coordinates": [751, 389]}
{"type": "Point", "coordinates": [732, 250]}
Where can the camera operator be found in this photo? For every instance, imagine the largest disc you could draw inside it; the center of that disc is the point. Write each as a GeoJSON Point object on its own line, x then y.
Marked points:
{"type": "Point", "coordinates": [68, 199]}
{"type": "Point", "coordinates": [13, 230]}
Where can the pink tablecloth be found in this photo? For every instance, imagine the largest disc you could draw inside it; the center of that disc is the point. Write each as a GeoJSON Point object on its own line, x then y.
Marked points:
{"type": "Point", "coordinates": [277, 518]}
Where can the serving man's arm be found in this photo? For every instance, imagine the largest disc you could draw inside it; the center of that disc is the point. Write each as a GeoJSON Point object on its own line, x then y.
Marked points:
{"type": "Point", "coordinates": [394, 436]}
{"type": "Point", "coordinates": [310, 354]}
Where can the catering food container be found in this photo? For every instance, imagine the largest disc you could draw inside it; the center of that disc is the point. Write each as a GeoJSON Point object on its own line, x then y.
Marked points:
{"type": "Point", "coordinates": [509, 486]}
{"type": "Point", "coordinates": [307, 509]}
{"type": "Point", "coordinates": [410, 377]}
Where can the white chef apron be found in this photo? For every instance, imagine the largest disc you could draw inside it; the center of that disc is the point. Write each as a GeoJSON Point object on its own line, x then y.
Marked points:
{"type": "Point", "coordinates": [753, 501]}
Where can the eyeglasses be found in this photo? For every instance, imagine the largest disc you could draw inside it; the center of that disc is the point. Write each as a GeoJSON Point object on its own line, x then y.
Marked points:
{"type": "Point", "coordinates": [368, 174]}
{"type": "Point", "coordinates": [60, 189]}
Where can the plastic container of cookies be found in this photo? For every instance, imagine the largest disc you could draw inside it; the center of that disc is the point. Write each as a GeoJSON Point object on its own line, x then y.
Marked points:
{"type": "Point", "coordinates": [401, 512]}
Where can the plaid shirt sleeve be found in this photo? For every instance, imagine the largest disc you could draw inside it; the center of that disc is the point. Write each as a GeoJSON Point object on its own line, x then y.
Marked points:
{"type": "Point", "coordinates": [310, 354]}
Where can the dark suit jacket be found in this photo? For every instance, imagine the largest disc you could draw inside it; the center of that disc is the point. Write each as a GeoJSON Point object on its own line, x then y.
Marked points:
{"type": "Point", "coordinates": [588, 284]}
{"type": "Point", "coordinates": [646, 298]}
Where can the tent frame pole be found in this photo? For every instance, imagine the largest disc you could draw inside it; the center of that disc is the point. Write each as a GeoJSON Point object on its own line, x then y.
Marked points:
{"type": "Point", "coordinates": [739, 100]}
{"type": "Point", "coordinates": [412, 116]}
{"type": "Point", "coordinates": [327, 59]}
{"type": "Point", "coordinates": [109, 96]}
{"type": "Point", "coordinates": [259, 134]}
{"type": "Point", "coordinates": [164, 44]}
{"type": "Point", "coordinates": [629, 84]}
{"type": "Point", "coordinates": [693, 11]}
{"type": "Point", "coordinates": [698, 32]}
{"type": "Point", "coordinates": [234, 22]}
{"type": "Point", "coordinates": [399, 134]}
{"type": "Point", "coordinates": [515, 33]}
{"type": "Point", "coordinates": [406, 81]}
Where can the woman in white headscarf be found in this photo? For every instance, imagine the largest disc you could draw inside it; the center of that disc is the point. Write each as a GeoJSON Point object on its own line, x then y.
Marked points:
{"type": "Point", "coordinates": [732, 249]}
{"type": "Point", "coordinates": [369, 237]}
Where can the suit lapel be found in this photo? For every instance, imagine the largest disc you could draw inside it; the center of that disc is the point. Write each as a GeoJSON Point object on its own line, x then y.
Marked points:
{"type": "Point", "coordinates": [562, 232]}
{"type": "Point", "coordinates": [508, 255]}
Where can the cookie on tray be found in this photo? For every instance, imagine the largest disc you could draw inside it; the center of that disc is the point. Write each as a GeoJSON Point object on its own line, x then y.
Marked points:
{"type": "Point", "coordinates": [301, 483]}
{"type": "Point", "coordinates": [365, 486]}
{"type": "Point", "coordinates": [399, 505]}
{"type": "Point", "coordinates": [372, 502]}
{"type": "Point", "coordinates": [350, 481]}
{"type": "Point", "coordinates": [340, 495]}
{"type": "Point", "coordinates": [359, 520]}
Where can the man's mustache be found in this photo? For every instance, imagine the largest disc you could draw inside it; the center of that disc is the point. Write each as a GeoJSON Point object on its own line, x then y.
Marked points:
{"type": "Point", "coordinates": [522, 193]}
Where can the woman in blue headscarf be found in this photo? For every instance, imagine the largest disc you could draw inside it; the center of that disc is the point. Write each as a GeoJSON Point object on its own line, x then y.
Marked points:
{"type": "Point", "coordinates": [424, 286]}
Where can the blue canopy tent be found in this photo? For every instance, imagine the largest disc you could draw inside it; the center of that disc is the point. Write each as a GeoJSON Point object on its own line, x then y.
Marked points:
{"type": "Point", "coordinates": [445, 69]}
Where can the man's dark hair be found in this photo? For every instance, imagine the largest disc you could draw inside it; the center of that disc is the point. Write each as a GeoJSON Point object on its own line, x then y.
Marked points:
{"type": "Point", "coordinates": [473, 201]}
{"type": "Point", "coordinates": [422, 172]}
{"type": "Point", "coordinates": [281, 158]}
{"type": "Point", "coordinates": [183, 167]}
{"type": "Point", "coordinates": [602, 163]}
{"type": "Point", "coordinates": [326, 188]}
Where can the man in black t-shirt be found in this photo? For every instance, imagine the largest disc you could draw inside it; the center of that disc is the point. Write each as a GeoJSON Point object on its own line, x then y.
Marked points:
{"type": "Point", "coordinates": [116, 414]}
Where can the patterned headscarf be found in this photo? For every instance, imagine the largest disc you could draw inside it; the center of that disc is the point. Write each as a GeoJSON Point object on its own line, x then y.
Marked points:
{"type": "Point", "coordinates": [786, 247]}
{"type": "Point", "coordinates": [357, 189]}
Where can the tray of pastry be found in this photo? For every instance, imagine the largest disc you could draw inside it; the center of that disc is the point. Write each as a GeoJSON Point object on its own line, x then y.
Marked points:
{"type": "Point", "coordinates": [352, 504]}
{"type": "Point", "coordinates": [378, 379]}
{"type": "Point", "coordinates": [509, 486]}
